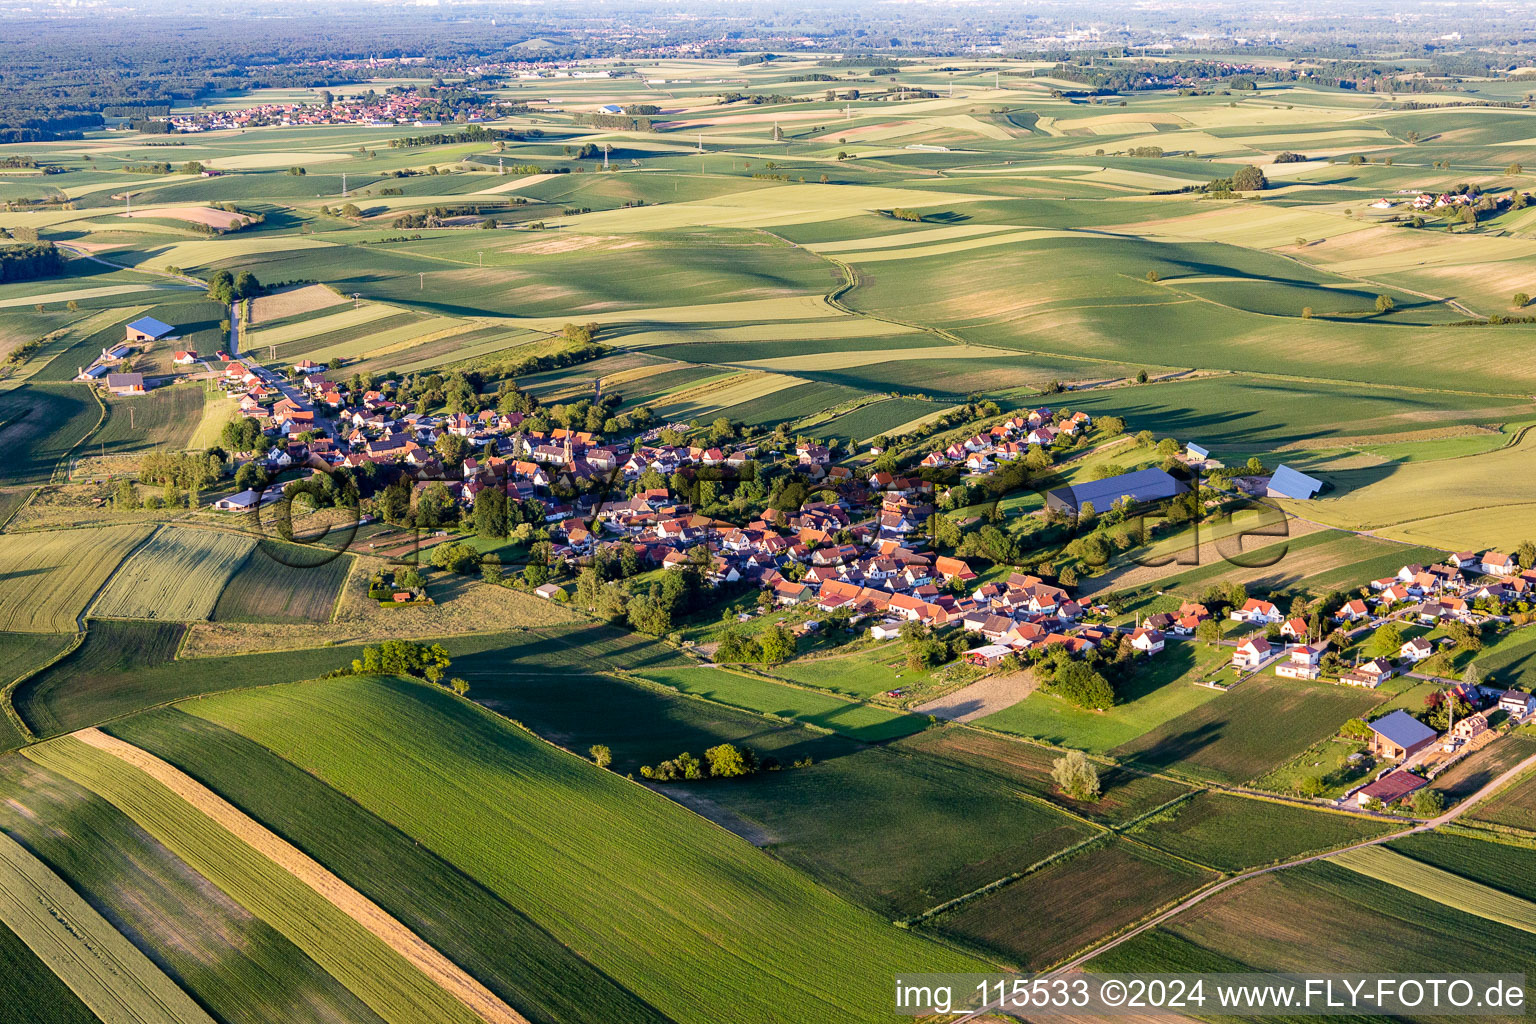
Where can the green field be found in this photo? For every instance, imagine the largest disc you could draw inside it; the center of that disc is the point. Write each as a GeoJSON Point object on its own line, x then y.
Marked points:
{"type": "Point", "coordinates": [1240, 735]}
{"type": "Point", "coordinates": [1231, 833]}
{"type": "Point", "coordinates": [1123, 794]}
{"type": "Point", "coordinates": [1159, 692]}
{"type": "Point", "coordinates": [900, 832]}
{"type": "Point", "coordinates": [164, 418]}
{"type": "Point", "coordinates": [859, 721]}
{"type": "Point", "coordinates": [1070, 903]}
{"type": "Point", "coordinates": [39, 426]}
{"type": "Point", "coordinates": [1350, 922]}
{"type": "Point", "coordinates": [519, 961]}
{"type": "Point", "coordinates": [265, 589]}
{"type": "Point", "coordinates": [539, 815]}
{"type": "Point", "coordinates": [51, 577]}
{"type": "Point", "coordinates": [233, 963]}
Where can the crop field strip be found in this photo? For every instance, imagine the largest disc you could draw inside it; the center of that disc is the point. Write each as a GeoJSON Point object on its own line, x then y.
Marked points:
{"type": "Point", "coordinates": [278, 587]}
{"type": "Point", "coordinates": [522, 848]}
{"type": "Point", "coordinates": [1440, 885]}
{"type": "Point", "coordinates": [238, 856]}
{"type": "Point", "coordinates": [177, 575]}
{"type": "Point", "coordinates": [112, 978]}
{"type": "Point", "coordinates": [232, 963]}
{"type": "Point", "coordinates": [508, 952]}
{"type": "Point", "coordinates": [51, 577]}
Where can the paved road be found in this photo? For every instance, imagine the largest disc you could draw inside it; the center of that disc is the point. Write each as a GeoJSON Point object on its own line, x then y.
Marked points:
{"type": "Point", "coordinates": [273, 379]}
{"type": "Point", "coordinates": [1205, 894]}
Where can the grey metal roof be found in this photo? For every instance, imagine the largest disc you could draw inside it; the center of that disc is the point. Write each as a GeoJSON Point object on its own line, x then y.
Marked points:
{"type": "Point", "coordinates": [1291, 484]}
{"type": "Point", "coordinates": [1402, 729]}
{"type": "Point", "coordinates": [1149, 484]}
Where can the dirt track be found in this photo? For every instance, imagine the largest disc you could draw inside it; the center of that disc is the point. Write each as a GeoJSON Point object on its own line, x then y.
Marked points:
{"type": "Point", "coordinates": [479, 999]}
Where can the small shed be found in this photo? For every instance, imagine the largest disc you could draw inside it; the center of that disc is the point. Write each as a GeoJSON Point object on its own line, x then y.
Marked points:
{"type": "Point", "coordinates": [1390, 788]}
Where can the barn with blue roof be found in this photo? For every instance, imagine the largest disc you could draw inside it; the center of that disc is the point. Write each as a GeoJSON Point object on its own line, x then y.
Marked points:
{"type": "Point", "coordinates": [1287, 483]}
{"type": "Point", "coordinates": [149, 329]}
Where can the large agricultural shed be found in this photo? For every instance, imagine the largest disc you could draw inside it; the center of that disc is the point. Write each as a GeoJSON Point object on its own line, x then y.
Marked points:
{"type": "Point", "coordinates": [1151, 484]}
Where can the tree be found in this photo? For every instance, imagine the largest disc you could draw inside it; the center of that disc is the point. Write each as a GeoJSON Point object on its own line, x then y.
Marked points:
{"type": "Point", "coordinates": [1428, 803]}
{"type": "Point", "coordinates": [1077, 682]}
{"type": "Point", "coordinates": [1385, 304]}
{"type": "Point", "coordinates": [459, 686]}
{"type": "Point", "coordinates": [490, 513]}
{"type": "Point", "coordinates": [728, 761]}
{"type": "Point", "coordinates": [1385, 642]}
{"type": "Point", "coordinates": [452, 448]}
{"type": "Point", "coordinates": [776, 645]}
{"type": "Point", "coordinates": [1153, 277]}
{"type": "Point", "coordinates": [1310, 786]}
{"type": "Point", "coordinates": [1526, 553]}
{"type": "Point", "coordinates": [1209, 631]}
{"type": "Point", "coordinates": [1076, 776]}
{"type": "Point", "coordinates": [1249, 179]}
{"type": "Point", "coordinates": [602, 756]}
{"type": "Point", "coordinates": [1521, 300]}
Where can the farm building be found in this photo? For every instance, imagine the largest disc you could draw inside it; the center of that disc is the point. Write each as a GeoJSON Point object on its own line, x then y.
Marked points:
{"type": "Point", "coordinates": [1196, 453]}
{"type": "Point", "coordinates": [549, 591]}
{"type": "Point", "coordinates": [1151, 484]}
{"type": "Point", "coordinates": [1390, 788]}
{"type": "Point", "coordinates": [1287, 483]}
{"type": "Point", "coordinates": [1399, 735]}
{"type": "Point", "coordinates": [610, 108]}
{"type": "Point", "coordinates": [246, 500]}
{"type": "Point", "coordinates": [125, 383]}
{"type": "Point", "coordinates": [986, 657]}
{"type": "Point", "coordinates": [148, 329]}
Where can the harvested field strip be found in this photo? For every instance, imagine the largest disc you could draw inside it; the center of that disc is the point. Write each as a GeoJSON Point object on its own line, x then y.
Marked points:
{"type": "Point", "coordinates": [535, 825]}
{"type": "Point", "coordinates": [116, 981]}
{"type": "Point", "coordinates": [49, 578]}
{"type": "Point", "coordinates": [512, 955]}
{"type": "Point", "coordinates": [1440, 885]}
{"type": "Point", "coordinates": [391, 985]}
{"type": "Point", "coordinates": [298, 330]}
{"type": "Point", "coordinates": [336, 892]}
{"type": "Point", "coordinates": [292, 302]}
{"type": "Point", "coordinates": [177, 575]}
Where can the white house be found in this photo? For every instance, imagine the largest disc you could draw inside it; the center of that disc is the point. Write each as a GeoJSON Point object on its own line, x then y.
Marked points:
{"type": "Point", "coordinates": [1148, 641]}
{"type": "Point", "coordinates": [1254, 610]}
{"type": "Point", "coordinates": [1252, 654]}
{"type": "Point", "coordinates": [1496, 563]}
{"type": "Point", "coordinates": [1416, 649]}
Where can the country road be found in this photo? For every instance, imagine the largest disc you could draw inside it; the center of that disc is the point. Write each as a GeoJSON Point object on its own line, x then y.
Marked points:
{"type": "Point", "coordinates": [1204, 894]}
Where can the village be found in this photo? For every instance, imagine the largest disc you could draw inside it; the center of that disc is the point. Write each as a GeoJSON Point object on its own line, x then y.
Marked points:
{"type": "Point", "coordinates": [860, 551]}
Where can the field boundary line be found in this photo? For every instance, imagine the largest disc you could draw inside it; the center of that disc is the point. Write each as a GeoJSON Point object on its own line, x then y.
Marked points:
{"type": "Point", "coordinates": [1421, 826]}
{"type": "Point", "coordinates": [6, 695]}
{"type": "Point", "coordinates": [85, 612]}
{"type": "Point", "coordinates": [65, 458]}
{"type": "Point", "coordinates": [417, 951]}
